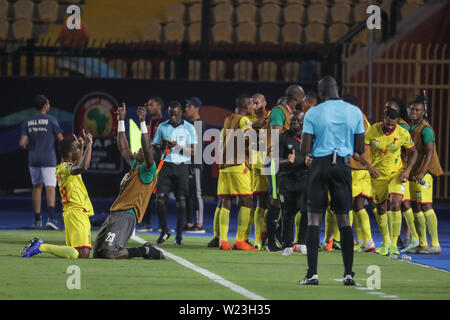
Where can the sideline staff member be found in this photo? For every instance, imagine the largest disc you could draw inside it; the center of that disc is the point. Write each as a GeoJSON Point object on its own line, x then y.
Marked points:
{"type": "Point", "coordinates": [337, 129]}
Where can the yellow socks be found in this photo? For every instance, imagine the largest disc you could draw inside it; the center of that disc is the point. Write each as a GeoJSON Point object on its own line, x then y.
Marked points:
{"type": "Point", "coordinates": [409, 218]}
{"type": "Point", "coordinates": [250, 223]}
{"type": "Point", "coordinates": [216, 223]}
{"type": "Point", "coordinates": [421, 228]}
{"type": "Point", "coordinates": [432, 228]}
{"type": "Point", "coordinates": [297, 225]}
{"type": "Point", "coordinates": [243, 220]}
{"type": "Point", "coordinates": [224, 223]}
{"type": "Point", "coordinates": [60, 251]}
{"type": "Point", "coordinates": [395, 225]}
{"type": "Point", "coordinates": [329, 224]}
{"type": "Point", "coordinates": [357, 227]}
{"type": "Point", "coordinates": [259, 221]}
{"type": "Point", "coordinates": [382, 221]}
{"type": "Point", "coordinates": [364, 221]}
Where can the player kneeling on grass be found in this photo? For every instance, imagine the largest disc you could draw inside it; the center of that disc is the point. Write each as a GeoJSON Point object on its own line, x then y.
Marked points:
{"type": "Point", "coordinates": [75, 199]}
{"type": "Point", "coordinates": [135, 191]}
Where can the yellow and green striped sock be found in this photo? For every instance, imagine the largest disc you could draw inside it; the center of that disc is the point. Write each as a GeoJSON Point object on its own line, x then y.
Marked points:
{"type": "Point", "coordinates": [60, 251]}
{"type": "Point", "coordinates": [432, 227]}
{"type": "Point", "coordinates": [421, 228]}
{"type": "Point", "coordinates": [409, 218]}
{"type": "Point", "coordinates": [224, 223]}
{"type": "Point", "coordinates": [243, 218]}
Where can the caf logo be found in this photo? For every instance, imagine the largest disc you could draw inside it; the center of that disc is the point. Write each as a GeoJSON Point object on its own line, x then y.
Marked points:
{"type": "Point", "coordinates": [95, 113]}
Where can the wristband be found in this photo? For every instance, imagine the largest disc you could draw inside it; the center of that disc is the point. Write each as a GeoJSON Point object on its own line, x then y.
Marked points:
{"type": "Point", "coordinates": [121, 126]}
{"type": "Point", "coordinates": [143, 128]}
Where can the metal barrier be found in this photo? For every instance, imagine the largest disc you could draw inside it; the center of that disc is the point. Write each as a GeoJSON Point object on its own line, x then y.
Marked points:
{"type": "Point", "coordinates": [403, 70]}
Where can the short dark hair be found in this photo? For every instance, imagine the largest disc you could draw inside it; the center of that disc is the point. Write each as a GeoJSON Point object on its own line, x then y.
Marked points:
{"type": "Point", "coordinates": [159, 100]}
{"type": "Point", "coordinates": [240, 100]}
{"type": "Point", "coordinates": [40, 101]}
{"type": "Point", "coordinates": [328, 88]}
{"type": "Point", "coordinates": [312, 95]}
{"type": "Point", "coordinates": [391, 113]}
{"type": "Point", "coordinates": [350, 99]}
{"type": "Point", "coordinates": [65, 146]}
{"type": "Point", "coordinates": [175, 104]}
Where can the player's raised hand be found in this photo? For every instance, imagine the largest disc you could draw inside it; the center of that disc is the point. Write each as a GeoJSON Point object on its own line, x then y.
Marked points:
{"type": "Point", "coordinates": [142, 113]}
{"type": "Point", "coordinates": [121, 111]}
{"type": "Point", "coordinates": [78, 140]}
{"type": "Point", "coordinates": [87, 137]}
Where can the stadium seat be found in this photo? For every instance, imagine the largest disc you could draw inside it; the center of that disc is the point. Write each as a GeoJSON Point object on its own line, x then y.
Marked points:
{"type": "Point", "coordinates": [420, 2]}
{"type": "Point", "coordinates": [317, 12]}
{"type": "Point", "coordinates": [294, 13]}
{"type": "Point", "coordinates": [292, 33]}
{"type": "Point", "coordinates": [360, 12]}
{"type": "Point", "coordinates": [263, 2]}
{"type": "Point", "coordinates": [270, 13]}
{"type": "Point", "coordinates": [22, 29]}
{"type": "Point", "coordinates": [314, 33]}
{"type": "Point", "coordinates": [408, 9]}
{"type": "Point", "coordinates": [337, 31]}
{"type": "Point", "coordinates": [239, 2]}
{"type": "Point", "coordinates": [174, 31]}
{"type": "Point", "coordinates": [325, 2]}
{"type": "Point", "coordinates": [243, 70]}
{"type": "Point", "coordinates": [245, 12]}
{"type": "Point", "coordinates": [194, 70]}
{"type": "Point", "coordinates": [23, 9]}
{"type": "Point", "coordinates": [362, 37]}
{"type": "Point", "coordinates": [193, 1]}
{"type": "Point", "coordinates": [267, 71]}
{"type": "Point", "coordinates": [120, 66]}
{"type": "Point", "coordinates": [222, 32]}
{"type": "Point", "coordinates": [48, 10]}
{"type": "Point", "coordinates": [194, 32]}
{"type": "Point", "coordinates": [217, 70]}
{"type": "Point", "coordinates": [3, 8]}
{"type": "Point", "coordinates": [162, 65]}
{"type": "Point", "coordinates": [302, 2]}
{"type": "Point", "coordinates": [151, 31]}
{"type": "Point", "coordinates": [223, 13]}
{"type": "Point", "coordinates": [174, 12]}
{"type": "Point", "coordinates": [340, 12]}
{"type": "Point", "coordinates": [195, 12]}
{"type": "Point", "coordinates": [4, 27]}
{"type": "Point", "coordinates": [290, 71]}
{"type": "Point", "coordinates": [141, 69]}
{"type": "Point", "coordinates": [246, 32]}
{"type": "Point", "coordinates": [215, 2]}
{"type": "Point", "coordinates": [269, 33]}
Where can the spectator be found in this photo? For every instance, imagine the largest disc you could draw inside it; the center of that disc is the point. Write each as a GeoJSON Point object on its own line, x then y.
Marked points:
{"type": "Point", "coordinates": [38, 138]}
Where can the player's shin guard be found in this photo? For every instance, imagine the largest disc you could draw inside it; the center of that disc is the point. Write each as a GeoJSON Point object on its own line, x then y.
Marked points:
{"type": "Point", "coordinates": [421, 228]}
{"type": "Point", "coordinates": [364, 221]}
{"type": "Point", "coordinates": [395, 225]}
{"type": "Point", "coordinates": [312, 243]}
{"type": "Point", "coordinates": [60, 251]}
{"type": "Point", "coordinates": [243, 221]}
{"type": "Point", "coordinates": [432, 227]}
{"type": "Point", "coordinates": [409, 218]}
{"type": "Point", "coordinates": [347, 248]}
{"type": "Point", "coordinates": [224, 219]}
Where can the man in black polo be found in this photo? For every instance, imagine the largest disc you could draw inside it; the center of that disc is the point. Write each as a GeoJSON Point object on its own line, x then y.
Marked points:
{"type": "Point", "coordinates": [332, 132]}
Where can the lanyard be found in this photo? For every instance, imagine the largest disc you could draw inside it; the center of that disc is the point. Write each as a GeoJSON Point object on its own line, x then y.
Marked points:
{"type": "Point", "coordinates": [298, 139]}
{"type": "Point", "coordinates": [285, 104]}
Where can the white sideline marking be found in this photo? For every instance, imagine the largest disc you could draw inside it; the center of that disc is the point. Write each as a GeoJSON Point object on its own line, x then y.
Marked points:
{"type": "Point", "coordinates": [206, 273]}
{"type": "Point", "coordinates": [369, 290]}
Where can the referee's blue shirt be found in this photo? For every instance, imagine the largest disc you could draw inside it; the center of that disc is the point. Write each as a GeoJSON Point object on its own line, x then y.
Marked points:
{"type": "Point", "coordinates": [334, 124]}
{"type": "Point", "coordinates": [184, 135]}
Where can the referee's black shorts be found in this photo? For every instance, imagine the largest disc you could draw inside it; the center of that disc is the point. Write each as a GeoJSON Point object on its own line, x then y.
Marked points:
{"type": "Point", "coordinates": [334, 178]}
{"type": "Point", "coordinates": [173, 177]}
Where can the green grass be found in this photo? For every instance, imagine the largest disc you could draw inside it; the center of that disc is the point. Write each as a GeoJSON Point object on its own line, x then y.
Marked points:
{"type": "Point", "coordinates": [268, 274]}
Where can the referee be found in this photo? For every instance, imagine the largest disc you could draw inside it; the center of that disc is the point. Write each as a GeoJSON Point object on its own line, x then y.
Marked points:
{"type": "Point", "coordinates": [337, 129]}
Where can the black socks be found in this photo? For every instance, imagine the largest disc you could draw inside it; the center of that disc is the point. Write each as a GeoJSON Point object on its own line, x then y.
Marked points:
{"type": "Point", "coordinates": [312, 245]}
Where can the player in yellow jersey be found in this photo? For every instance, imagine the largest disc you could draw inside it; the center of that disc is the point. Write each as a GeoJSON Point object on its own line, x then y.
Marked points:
{"type": "Point", "coordinates": [389, 175]}
{"type": "Point", "coordinates": [234, 175]}
{"type": "Point", "coordinates": [75, 199]}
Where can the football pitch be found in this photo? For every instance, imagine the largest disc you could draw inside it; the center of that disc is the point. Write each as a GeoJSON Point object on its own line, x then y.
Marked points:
{"type": "Point", "coordinates": [196, 272]}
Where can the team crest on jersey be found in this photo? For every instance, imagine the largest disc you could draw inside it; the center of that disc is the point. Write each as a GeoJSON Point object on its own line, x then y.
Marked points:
{"type": "Point", "coordinates": [375, 143]}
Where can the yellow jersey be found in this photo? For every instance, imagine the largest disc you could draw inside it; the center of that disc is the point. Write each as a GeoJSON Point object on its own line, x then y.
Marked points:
{"type": "Point", "coordinates": [244, 124]}
{"type": "Point", "coordinates": [73, 192]}
{"type": "Point", "coordinates": [385, 149]}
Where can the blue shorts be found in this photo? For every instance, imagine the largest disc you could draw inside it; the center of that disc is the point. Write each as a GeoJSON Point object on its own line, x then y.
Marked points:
{"type": "Point", "coordinates": [45, 175]}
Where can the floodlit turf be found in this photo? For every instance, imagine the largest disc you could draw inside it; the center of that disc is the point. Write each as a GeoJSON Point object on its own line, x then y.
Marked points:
{"type": "Point", "coordinates": [266, 274]}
